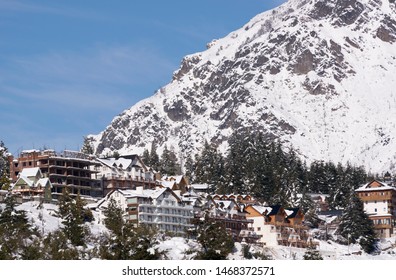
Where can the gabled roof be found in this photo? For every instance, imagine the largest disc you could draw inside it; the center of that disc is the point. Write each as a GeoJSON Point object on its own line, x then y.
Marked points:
{"type": "Point", "coordinates": [168, 184]}
{"type": "Point", "coordinates": [177, 178]}
{"type": "Point", "coordinates": [263, 210]}
{"type": "Point", "coordinates": [23, 180]}
{"type": "Point", "coordinates": [200, 186]}
{"type": "Point", "coordinates": [274, 210]}
{"type": "Point", "coordinates": [31, 172]}
{"type": "Point", "coordinates": [292, 212]}
{"type": "Point", "coordinates": [43, 182]}
{"type": "Point", "coordinates": [153, 194]}
{"type": "Point", "coordinates": [375, 185]}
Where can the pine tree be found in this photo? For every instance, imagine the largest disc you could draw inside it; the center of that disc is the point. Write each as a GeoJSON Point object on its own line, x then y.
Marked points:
{"type": "Point", "coordinates": [190, 167]}
{"type": "Point", "coordinates": [146, 157]}
{"type": "Point", "coordinates": [168, 162]}
{"type": "Point", "coordinates": [125, 241]}
{"type": "Point", "coordinates": [312, 254]}
{"type": "Point", "coordinates": [15, 230]}
{"type": "Point", "coordinates": [4, 168]}
{"type": "Point", "coordinates": [57, 246]}
{"type": "Point", "coordinates": [154, 158]}
{"type": "Point", "coordinates": [87, 147]}
{"type": "Point", "coordinates": [355, 225]}
{"type": "Point", "coordinates": [5, 182]}
{"type": "Point", "coordinates": [209, 167]}
{"type": "Point", "coordinates": [216, 242]}
{"type": "Point", "coordinates": [72, 214]}
{"type": "Point", "coordinates": [236, 162]}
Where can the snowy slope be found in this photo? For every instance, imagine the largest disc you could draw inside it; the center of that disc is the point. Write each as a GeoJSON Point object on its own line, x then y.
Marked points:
{"type": "Point", "coordinates": [177, 248]}
{"type": "Point", "coordinates": [319, 75]}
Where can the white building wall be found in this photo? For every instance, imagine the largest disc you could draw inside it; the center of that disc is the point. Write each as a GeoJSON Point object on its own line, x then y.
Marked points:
{"type": "Point", "coordinates": [376, 207]}
{"type": "Point", "coordinates": [268, 232]}
{"type": "Point", "coordinates": [165, 212]}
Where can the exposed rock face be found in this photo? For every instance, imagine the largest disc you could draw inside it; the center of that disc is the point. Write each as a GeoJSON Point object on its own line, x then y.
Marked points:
{"type": "Point", "coordinates": [316, 74]}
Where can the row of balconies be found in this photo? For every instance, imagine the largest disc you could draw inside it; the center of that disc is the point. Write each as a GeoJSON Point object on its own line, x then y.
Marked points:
{"type": "Point", "coordinates": [127, 179]}
{"type": "Point", "coordinates": [373, 197]}
{"type": "Point", "coordinates": [185, 225]}
{"type": "Point", "coordinates": [187, 214]}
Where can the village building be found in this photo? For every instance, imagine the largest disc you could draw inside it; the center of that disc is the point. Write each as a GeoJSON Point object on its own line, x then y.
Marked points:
{"type": "Point", "coordinates": [177, 183]}
{"type": "Point", "coordinates": [234, 218]}
{"type": "Point", "coordinates": [160, 208]}
{"type": "Point", "coordinates": [200, 188]}
{"type": "Point", "coordinates": [239, 198]}
{"type": "Point", "coordinates": [69, 169]}
{"type": "Point", "coordinates": [278, 226]}
{"type": "Point", "coordinates": [31, 183]}
{"type": "Point", "coordinates": [124, 172]}
{"type": "Point", "coordinates": [379, 200]}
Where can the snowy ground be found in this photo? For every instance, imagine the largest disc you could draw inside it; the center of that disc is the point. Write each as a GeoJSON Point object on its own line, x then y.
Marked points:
{"type": "Point", "coordinates": [177, 248]}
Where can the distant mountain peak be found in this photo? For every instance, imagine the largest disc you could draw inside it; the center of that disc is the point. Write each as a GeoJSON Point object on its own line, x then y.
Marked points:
{"type": "Point", "coordinates": [318, 75]}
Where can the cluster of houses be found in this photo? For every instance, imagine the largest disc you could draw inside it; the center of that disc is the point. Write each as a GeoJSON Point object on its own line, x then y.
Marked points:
{"type": "Point", "coordinates": [171, 204]}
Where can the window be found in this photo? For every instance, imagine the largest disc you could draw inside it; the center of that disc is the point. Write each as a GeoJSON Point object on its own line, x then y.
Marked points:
{"type": "Point", "coordinates": [375, 210]}
{"type": "Point", "coordinates": [259, 229]}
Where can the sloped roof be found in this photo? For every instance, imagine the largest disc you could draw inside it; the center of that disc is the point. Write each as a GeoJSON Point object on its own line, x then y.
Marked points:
{"type": "Point", "coordinates": [168, 184]}
{"type": "Point", "coordinates": [375, 185]}
{"type": "Point", "coordinates": [274, 210]}
{"type": "Point", "coordinates": [262, 209]}
{"type": "Point", "coordinates": [292, 212]}
{"type": "Point", "coordinates": [43, 182]}
{"type": "Point", "coordinates": [24, 179]}
{"type": "Point", "coordinates": [30, 172]}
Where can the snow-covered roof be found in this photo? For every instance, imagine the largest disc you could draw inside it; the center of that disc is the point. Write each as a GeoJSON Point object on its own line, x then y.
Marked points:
{"type": "Point", "coordinates": [262, 209]}
{"type": "Point", "coordinates": [200, 186]}
{"type": "Point", "coordinates": [145, 193]}
{"type": "Point", "coordinates": [226, 203]}
{"type": "Point", "coordinates": [30, 172]}
{"type": "Point", "coordinates": [289, 212]}
{"type": "Point", "coordinates": [375, 186]}
{"type": "Point", "coordinates": [176, 178]}
{"type": "Point", "coordinates": [43, 182]}
{"type": "Point", "coordinates": [168, 184]}
{"type": "Point", "coordinates": [119, 163]}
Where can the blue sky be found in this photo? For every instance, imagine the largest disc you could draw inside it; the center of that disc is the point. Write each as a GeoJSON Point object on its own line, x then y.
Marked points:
{"type": "Point", "coordinates": [67, 68]}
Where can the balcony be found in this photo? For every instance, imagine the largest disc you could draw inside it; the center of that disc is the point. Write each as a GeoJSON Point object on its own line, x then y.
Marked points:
{"type": "Point", "coordinates": [373, 197]}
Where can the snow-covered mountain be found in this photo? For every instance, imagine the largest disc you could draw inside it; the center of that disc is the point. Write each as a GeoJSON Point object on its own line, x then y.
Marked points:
{"type": "Point", "coordinates": [317, 74]}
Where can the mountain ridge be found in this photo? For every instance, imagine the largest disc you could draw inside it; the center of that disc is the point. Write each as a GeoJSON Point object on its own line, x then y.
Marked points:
{"type": "Point", "coordinates": [309, 73]}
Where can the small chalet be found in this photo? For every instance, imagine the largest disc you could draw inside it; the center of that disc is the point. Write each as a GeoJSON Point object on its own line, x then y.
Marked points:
{"type": "Point", "coordinates": [31, 182]}
{"type": "Point", "coordinates": [176, 183]}
{"type": "Point", "coordinates": [125, 172]}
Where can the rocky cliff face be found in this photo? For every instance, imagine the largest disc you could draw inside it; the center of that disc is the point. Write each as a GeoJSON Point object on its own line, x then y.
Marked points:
{"type": "Point", "coordinates": [316, 74]}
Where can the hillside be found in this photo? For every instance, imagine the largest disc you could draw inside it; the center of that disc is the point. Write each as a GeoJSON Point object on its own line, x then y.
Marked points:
{"type": "Point", "coordinates": [177, 248]}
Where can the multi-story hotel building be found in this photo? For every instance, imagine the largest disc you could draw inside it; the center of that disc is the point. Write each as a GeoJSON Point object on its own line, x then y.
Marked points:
{"type": "Point", "coordinates": [125, 172]}
{"type": "Point", "coordinates": [160, 208]}
{"type": "Point", "coordinates": [379, 201]}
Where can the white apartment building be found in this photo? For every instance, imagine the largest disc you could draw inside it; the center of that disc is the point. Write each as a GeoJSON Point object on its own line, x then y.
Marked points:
{"type": "Point", "coordinates": [160, 208]}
